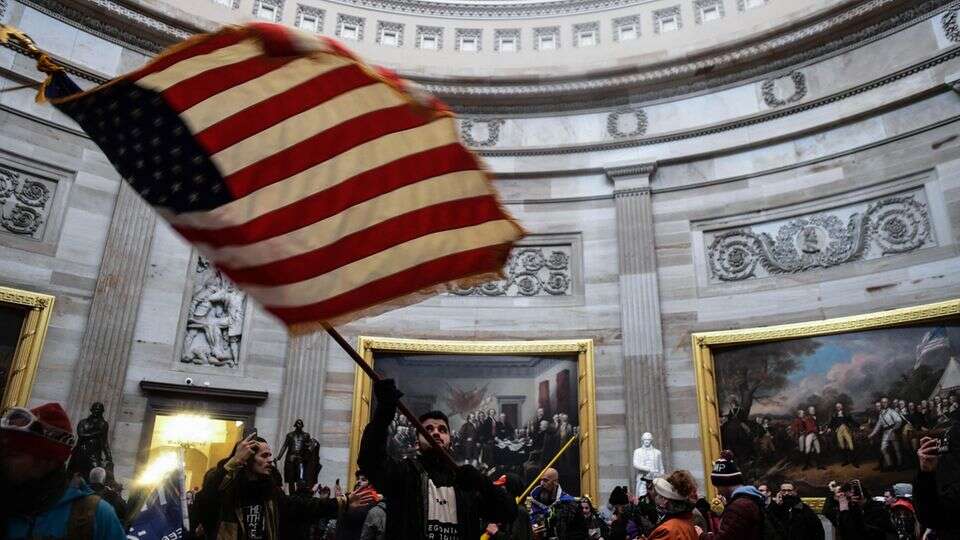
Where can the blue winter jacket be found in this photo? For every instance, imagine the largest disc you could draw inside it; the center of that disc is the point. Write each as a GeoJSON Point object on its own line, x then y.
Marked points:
{"type": "Point", "coordinates": [52, 524]}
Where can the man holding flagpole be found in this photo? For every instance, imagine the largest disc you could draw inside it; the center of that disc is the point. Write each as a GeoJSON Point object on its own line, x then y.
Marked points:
{"type": "Point", "coordinates": [460, 501]}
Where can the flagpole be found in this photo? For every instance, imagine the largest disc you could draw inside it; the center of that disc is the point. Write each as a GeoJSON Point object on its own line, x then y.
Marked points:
{"type": "Point", "coordinates": [377, 378]}
{"type": "Point", "coordinates": [563, 449]}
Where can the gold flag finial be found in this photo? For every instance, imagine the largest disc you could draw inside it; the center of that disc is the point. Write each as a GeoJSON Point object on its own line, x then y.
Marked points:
{"type": "Point", "coordinates": [45, 64]}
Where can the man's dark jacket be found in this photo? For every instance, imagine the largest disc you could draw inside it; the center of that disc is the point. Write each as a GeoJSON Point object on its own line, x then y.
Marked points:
{"type": "Point", "coordinates": [404, 483]}
{"type": "Point", "coordinates": [797, 522]}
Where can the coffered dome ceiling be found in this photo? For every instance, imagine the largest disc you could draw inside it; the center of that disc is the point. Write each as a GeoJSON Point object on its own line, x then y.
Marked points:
{"type": "Point", "coordinates": [503, 56]}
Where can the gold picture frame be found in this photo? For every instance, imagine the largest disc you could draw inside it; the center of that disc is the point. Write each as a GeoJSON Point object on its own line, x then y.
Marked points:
{"type": "Point", "coordinates": [586, 386]}
{"type": "Point", "coordinates": [706, 343]}
{"type": "Point", "coordinates": [37, 309]}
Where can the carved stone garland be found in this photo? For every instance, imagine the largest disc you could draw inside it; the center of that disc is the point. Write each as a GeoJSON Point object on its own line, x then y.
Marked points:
{"type": "Point", "coordinates": [493, 132]}
{"type": "Point", "coordinates": [531, 271]}
{"type": "Point", "coordinates": [799, 90]}
{"type": "Point", "coordinates": [894, 224]}
{"type": "Point", "coordinates": [613, 123]}
{"type": "Point", "coordinates": [23, 203]}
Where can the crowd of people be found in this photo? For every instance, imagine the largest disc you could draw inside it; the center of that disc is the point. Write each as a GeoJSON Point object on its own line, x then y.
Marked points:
{"type": "Point", "coordinates": [427, 495]}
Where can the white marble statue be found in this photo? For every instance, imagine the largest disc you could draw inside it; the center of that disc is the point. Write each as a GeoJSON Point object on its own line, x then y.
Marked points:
{"type": "Point", "coordinates": [648, 461]}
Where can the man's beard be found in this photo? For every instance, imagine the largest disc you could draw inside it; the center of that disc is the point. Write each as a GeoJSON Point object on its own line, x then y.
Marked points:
{"type": "Point", "coordinates": [35, 495]}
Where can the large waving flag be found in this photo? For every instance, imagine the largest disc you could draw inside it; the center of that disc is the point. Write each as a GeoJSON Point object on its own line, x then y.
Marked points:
{"type": "Point", "coordinates": [323, 187]}
{"type": "Point", "coordinates": [163, 515]}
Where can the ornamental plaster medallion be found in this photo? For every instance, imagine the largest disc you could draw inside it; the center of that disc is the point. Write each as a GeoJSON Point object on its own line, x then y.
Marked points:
{"type": "Point", "coordinates": [625, 123]}
{"type": "Point", "coordinates": [214, 328]}
{"type": "Point", "coordinates": [886, 226]}
{"type": "Point", "coordinates": [24, 203]}
{"type": "Point", "coordinates": [530, 271]}
{"type": "Point", "coordinates": [772, 91]}
{"type": "Point", "coordinates": [317, 13]}
{"type": "Point", "coordinates": [481, 133]}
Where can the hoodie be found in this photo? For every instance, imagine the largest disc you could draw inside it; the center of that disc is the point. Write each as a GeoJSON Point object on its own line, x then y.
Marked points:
{"type": "Point", "coordinates": [52, 523]}
{"type": "Point", "coordinates": [742, 518]}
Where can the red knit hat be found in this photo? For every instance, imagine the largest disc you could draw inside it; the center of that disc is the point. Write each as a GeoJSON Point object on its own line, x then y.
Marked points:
{"type": "Point", "coordinates": [36, 443]}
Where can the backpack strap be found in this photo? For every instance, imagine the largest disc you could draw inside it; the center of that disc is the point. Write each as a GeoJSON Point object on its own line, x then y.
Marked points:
{"type": "Point", "coordinates": [82, 518]}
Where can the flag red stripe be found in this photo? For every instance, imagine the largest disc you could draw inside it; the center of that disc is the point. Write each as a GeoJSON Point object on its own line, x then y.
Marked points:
{"type": "Point", "coordinates": [362, 187]}
{"type": "Point", "coordinates": [442, 270]}
{"type": "Point", "coordinates": [187, 93]}
{"type": "Point", "coordinates": [286, 104]}
{"type": "Point", "coordinates": [212, 43]}
{"type": "Point", "coordinates": [323, 146]}
{"type": "Point", "coordinates": [381, 236]}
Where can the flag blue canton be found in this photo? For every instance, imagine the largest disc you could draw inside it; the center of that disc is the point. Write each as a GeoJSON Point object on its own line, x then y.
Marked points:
{"type": "Point", "coordinates": [150, 146]}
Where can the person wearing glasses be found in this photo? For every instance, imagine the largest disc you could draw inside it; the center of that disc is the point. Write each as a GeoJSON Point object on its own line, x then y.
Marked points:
{"type": "Point", "coordinates": [34, 447]}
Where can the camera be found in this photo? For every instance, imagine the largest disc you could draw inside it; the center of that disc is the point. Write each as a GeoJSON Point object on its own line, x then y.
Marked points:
{"type": "Point", "coordinates": [188, 381]}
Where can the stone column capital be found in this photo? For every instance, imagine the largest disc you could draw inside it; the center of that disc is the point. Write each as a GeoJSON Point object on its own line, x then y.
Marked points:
{"type": "Point", "coordinates": [631, 178]}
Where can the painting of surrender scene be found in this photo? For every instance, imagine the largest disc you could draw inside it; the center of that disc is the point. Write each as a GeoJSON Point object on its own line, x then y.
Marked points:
{"type": "Point", "coordinates": [837, 407]}
{"type": "Point", "coordinates": [508, 413]}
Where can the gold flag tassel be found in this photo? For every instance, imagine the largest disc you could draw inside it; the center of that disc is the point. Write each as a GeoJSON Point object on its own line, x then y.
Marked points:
{"type": "Point", "coordinates": [45, 64]}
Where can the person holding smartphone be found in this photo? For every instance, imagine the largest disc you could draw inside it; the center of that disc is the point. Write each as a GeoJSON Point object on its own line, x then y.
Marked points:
{"type": "Point", "coordinates": [936, 488]}
{"type": "Point", "coordinates": [251, 504]}
{"type": "Point", "coordinates": [858, 516]}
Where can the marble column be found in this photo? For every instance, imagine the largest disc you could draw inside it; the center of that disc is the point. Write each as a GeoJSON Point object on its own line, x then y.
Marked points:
{"type": "Point", "coordinates": [105, 347]}
{"type": "Point", "coordinates": [303, 381]}
{"type": "Point", "coordinates": [643, 361]}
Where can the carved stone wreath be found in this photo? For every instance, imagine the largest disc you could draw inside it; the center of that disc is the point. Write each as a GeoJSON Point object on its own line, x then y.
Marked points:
{"type": "Point", "coordinates": [613, 123]}
{"type": "Point", "coordinates": [493, 132]}
{"type": "Point", "coordinates": [799, 90]}
{"type": "Point", "coordinates": [531, 271]}
{"type": "Point", "coordinates": [891, 225]}
{"type": "Point", "coordinates": [23, 203]}
{"type": "Point", "coordinates": [950, 28]}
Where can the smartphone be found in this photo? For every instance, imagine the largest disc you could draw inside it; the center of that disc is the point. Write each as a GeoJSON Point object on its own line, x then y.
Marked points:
{"type": "Point", "coordinates": [857, 488]}
{"type": "Point", "coordinates": [944, 444]}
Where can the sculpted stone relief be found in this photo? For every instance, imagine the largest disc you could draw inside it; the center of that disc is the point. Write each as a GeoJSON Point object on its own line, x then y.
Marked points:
{"type": "Point", "coordinates": [24, 203]}
{"type": "Point", "coordinates": [627, 123]}
{"type": "Point", "coordinates": [215, 317]}
{"type": "Point", "coordinates": [950, 27]}
{"type": "Point", "coordinates": [886, 226]}
{"type": "Point", "coordinates": [531, 271]}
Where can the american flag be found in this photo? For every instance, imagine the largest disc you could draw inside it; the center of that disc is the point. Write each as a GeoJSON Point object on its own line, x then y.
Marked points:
{"type": "Point", "coordinates": [320, 185]}
{"type": "Point", "coordinates": [934, 340]}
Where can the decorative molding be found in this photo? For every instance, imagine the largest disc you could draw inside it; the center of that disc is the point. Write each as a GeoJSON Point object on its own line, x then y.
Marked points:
{"type": "Point", "coordinates": [540, 96]}
{"type": "Point", "coordinates": [742, 5]}
{"type": "Point", "coordinates": [700, 5]}
{"type": "Point", "coordinates": [350, 19]}
{"type": "Point", "coordinates": [809, 43]}
{"type": "Point", "coordinates": [770, 94]}
{"type": "Point", "coordinates": [661, 14]}
{"type": "Point", "coordinates": [545, 31]}
{"type": "Point", "coordinates": [491, 9]}
{"type": "Point", "coordinates": [3, 8]}
{"type": "Point", "coordinates": [616, 118]}
{"type": "Point", "coordinates": [889, 225]}
{"type": "Point", "coordinates": [184, 391]}
{"type": "Point", "coordinates": [493, 132]}
{"type": "Point", "coordinates": [586, 27]}
{"type": "Point", "coordinates": [623, 21]}
{"type": "Point", "coordinates": [215, 315]}
{"type": "Point", "coordinates": [530, 271]}
{"type": "Point", "coordinates": [390, 26]}
{"type": "Point", "coordinates": [506, 33]}
{"type": "Point", "coordinates": [276, 4]}
{"type": "Point", "coordinates": [950, 28]}
{"type": "Point", "coordinates": [25, 203]}
{"type": "Point", "coordinates": [638, 169]}
{"type": "Point", "coordinates": [735, 124]}
{"type": "Point", "coordinates": [430, 30]}
{"type": "Point", "coordinates": [302, 10]}
{"type": "Point", "coordinates": [460, 33]}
